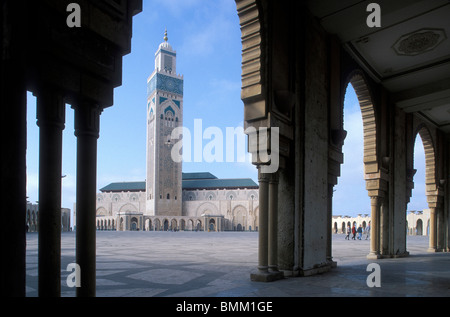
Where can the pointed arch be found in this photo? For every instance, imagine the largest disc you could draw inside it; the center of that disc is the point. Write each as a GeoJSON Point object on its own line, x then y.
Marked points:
{"type": "Point", "coordinates": [359, 83]}
{"type": "Point", "coordinates": [430, 157]}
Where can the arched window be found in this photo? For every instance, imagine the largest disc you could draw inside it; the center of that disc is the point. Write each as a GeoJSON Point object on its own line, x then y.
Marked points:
{"type": "Point", "coordinates": [168, 196]}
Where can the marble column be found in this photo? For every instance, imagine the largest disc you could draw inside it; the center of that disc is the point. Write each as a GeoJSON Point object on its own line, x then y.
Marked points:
{"type": "Point", "coordinates": [87, 117]}
{"type": "Point", "coordinates": [440, 228]}
{"type": "Point", "coordinates": [263, 221]}
{"type": "Point", "coordinates": [263, 268]}
{"type": "Point", "coordinates": [329, 226]}
{"type": "Point", "coordinates": [375, 203]}
{"type": "Point", "coordinates": [273, 222]}
{"type": "Point", "coordinates": [432, 241]}
{"type": "Point", "coordinates": [267, 229]}
{"type": "Point", "coordinates": [13, 126]}
{"type": "Point", "coordinates": [384, 228]}
{"type": "Point", "coordinates": [50, 119]}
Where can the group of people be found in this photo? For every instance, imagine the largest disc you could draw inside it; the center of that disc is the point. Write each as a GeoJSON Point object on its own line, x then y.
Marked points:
{"type": "Point", "coordinates": [360, 230]}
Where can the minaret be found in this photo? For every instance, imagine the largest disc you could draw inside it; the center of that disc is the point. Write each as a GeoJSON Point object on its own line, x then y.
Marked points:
{"type": "Point", "coordinates": [164, 113]}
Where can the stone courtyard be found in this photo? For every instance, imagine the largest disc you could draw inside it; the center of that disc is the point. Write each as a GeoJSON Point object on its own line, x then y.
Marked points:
{"type": "Point", "coordinates": [208, 264]}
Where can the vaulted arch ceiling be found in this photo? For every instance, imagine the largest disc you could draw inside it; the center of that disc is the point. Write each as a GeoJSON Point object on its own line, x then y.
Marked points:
{"type": "Point", "coordinates": [409, 54]}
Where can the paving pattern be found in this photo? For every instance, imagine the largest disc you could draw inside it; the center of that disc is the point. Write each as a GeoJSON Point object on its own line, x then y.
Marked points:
{"type": "Point", "coordinates": [218, 264]}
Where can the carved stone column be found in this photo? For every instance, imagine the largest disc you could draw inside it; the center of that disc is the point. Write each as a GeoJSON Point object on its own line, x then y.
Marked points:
{"type": "Point", "coordinates": [375, 203]}
{"type": "Point", "coordinates": [267, 229]}
{"type": "Point", "coordinates": [13, 127]}
{"type": "Point", "coordinates": [384, 228]}
{"type": "Point", "coordinates": [273, 222]}
{"type": "Point", "coordinates": [87, 117]}
{"type": "Point", "coordinates": [263, 223]}
{"type": "Point", "coordinates": [329, 225]}
{"type": "Point", "coordinates": [50, 119]}
{"type": "Point", "coordinates": [432, 242]}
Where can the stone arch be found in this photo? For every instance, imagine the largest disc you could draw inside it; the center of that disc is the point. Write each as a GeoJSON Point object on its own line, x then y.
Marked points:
{"type": "Point", "coordinates": [252, 195]}
{"type": "Point", "coordinates": [174, 224]}
{"type": "Point", "coordinates": [430, 158]}
{"type": "Point", "coordinates": [101, 211]}
{"type": "Point", "coordinates": [157, 224]}
{"type": "Point", "coordinates": [419, 227]}
{"type": "Point", "coordinates": [359, 83]}
{"type": "Point", "coordinates": [210, 195]}
{"type": "Point", "coordinates": [231, 195]}
{"type": "Point", "coordinates": [134, 224]}
{"type": "Point", "coordinates": [207, 208]}
{"type": "Point", "coordinates": [239, 218]}
{"type": "Point", "coordinates": [128, 207]}
{"type": "Point", "coordinates": [134, 197]}
{"type": "Point", "coordinates": [212, 225]}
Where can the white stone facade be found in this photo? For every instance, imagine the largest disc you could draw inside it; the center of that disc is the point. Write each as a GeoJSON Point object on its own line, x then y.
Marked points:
{"type": "Point", "coordinates": [418, 222]}
{"type": "Point", "coordinates": [204, 210]}
{"type": "Point", "coordinates": [32, 218]}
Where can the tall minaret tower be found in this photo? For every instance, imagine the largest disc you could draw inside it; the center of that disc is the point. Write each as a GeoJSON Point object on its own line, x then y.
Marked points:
{"type": "Point", "coordinates": [164, 113]}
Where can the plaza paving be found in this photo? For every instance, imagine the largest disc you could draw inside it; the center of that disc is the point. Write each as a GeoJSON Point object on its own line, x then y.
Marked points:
{"type": "Point", "coordinates": [218, 264]}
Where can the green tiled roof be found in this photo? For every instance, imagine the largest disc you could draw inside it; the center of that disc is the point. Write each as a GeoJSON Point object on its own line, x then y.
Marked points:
{"type": "Point", "coordinates": [198, 175]}
{"type": "Point", "coordinates": [219, 183]}
{"type": "Point", "coordinates": [203, 180]}
{"type": "Point", "coordinates": [124, 187]}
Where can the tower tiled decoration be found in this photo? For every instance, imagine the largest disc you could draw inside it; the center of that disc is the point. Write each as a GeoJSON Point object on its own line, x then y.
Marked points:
{"type": "Point", "coordinates": [164, 113]}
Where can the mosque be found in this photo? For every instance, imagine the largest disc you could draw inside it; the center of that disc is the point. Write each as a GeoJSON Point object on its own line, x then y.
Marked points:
{"type": "Point", "coordinates": [170, 199]}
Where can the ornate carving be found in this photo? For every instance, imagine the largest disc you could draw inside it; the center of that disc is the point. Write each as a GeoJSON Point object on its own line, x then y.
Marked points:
{"type": "Point", "coordinates": [419, 42]}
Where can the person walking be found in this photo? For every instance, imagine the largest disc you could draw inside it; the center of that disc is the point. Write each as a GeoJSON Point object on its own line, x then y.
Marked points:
{"type": "Point", "coordinates": [368, 231]}
{"type": "Point", "coordinates": [347, 237]}
{"type": "Point", "coordinates": [353, 232]}
{"type": "Point", "coordinates": [359, 232]}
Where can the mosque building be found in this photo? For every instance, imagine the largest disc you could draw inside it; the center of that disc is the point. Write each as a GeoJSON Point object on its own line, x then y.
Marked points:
{"type": "Point", "coordinates": [169, 199]}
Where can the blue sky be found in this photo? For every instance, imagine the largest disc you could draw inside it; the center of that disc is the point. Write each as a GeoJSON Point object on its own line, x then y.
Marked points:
{"type": "Point", "coordinates": [206, 36]}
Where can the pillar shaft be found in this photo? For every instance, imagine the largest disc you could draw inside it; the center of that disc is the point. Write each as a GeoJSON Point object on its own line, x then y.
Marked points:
{"type": "Point", "coordinates": [273, 222]}
{"type": "Point", "coordinates": [329, 226]}
{"type": "Point", "coordinates": [432, 241]}
{"type": "Point", "coordinates": [263, 221]}
{"type": "Point", "coordinates": [384, 228]}
{"type": "Point", "coordinates": [440, 228]}
{"type": "Point", "coordinates": [86, 129]}
{"type": "Point", "coordinates": [13, 126]}
{"type": "Point", "coordinates": [50, 119]}
{"type": "Point", "coordinates": [374, 228]}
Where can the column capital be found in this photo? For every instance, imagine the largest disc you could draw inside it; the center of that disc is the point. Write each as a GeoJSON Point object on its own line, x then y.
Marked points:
{"type": "Point", "coordinates": [376, 200]}
{"type": "Point", "coordinates": [87, 118]}
{"type": "Point", "coordinates": [263, 177]}
{"type": "Point", "coordinates": [50, 108]}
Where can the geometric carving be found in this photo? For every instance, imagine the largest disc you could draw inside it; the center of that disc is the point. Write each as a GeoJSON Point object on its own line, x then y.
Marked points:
{"type": "Point", "coordinates": [419, 41]}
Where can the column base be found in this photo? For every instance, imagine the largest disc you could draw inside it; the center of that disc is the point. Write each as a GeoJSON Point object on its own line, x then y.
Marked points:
{"type": "Point", "coordinates": [261, 276]}
{"type": "Point", "coordinates": [401, 255]}
{"type": "Point", "coordinates": [432, 250]}
{"type": "Point", "coordinates": [331, 263]}
{"type": "Point", "coordinates": [374, 256]}
{"type": "Point", "coordinates": [317, 269]}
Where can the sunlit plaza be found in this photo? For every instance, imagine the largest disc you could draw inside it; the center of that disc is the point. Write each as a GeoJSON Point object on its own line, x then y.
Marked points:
{"type": "Point", "coordinates": [207, 264]}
